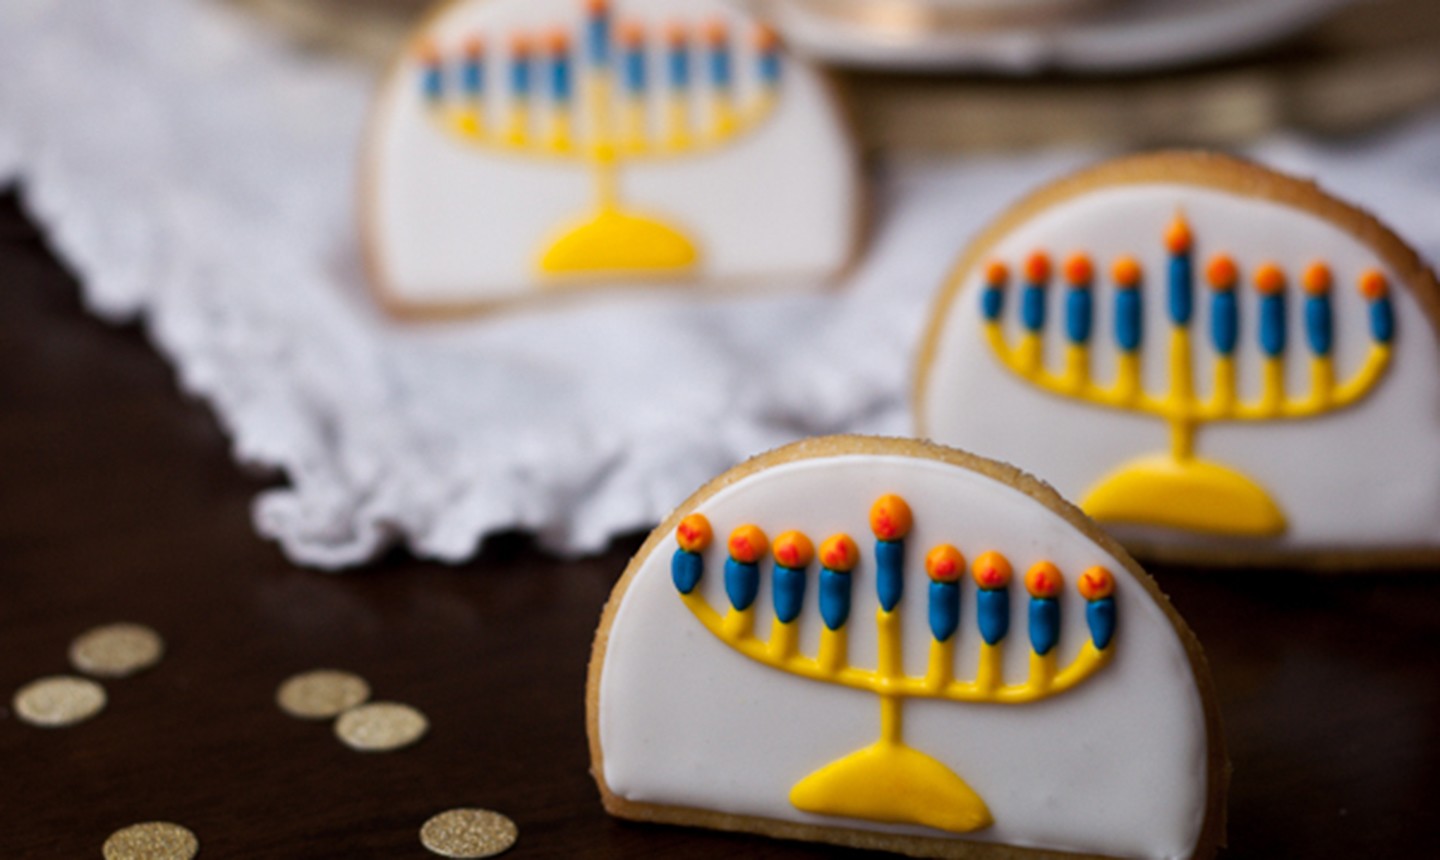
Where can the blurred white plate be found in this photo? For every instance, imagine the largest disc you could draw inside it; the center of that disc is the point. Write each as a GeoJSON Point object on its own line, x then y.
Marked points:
{"type": "Point", "coordinates": [1130, 36]}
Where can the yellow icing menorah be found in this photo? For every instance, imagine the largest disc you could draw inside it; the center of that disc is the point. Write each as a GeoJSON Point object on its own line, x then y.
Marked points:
{"type": "Point", "coordinates": [890, 781]}
{"type": "Point", "coordinates": [612, 123]}
{"type": "Point", "coordinates": [1179, 489]}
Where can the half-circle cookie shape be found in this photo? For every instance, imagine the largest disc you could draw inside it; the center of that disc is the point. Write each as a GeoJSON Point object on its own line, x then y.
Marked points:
{"type": "Point", "coordinates": [1217, 361]}
{"type": "Point", "coordinates": [886, 643]}
{"type": "Point", "coordinates": [525, 148]}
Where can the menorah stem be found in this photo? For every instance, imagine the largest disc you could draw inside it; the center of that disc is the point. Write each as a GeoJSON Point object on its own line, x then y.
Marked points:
{"type": "Point", "coordinates": [518, 129]}
{"type": "Point", "coordinates": [1127, 381]}
{"type": "Point", "coordinates": [1322, 381]}
{"type": "Point", "coordinates": [1365, 379]}
{"type": "Point", "coordinates": [1182, 438]}
{"type": "Point", "coordinates": [561, 136]}
{"type": "Point", "coordinates": [784, 640]}
{"type": "Point", "coordinates": [888, 664]}
{"type": "Point", "coordinates": [989, 672]}
{"type": "Point", "coordinates": [607, 179]}
{"type": "Point", "coordinates": [1272, 387]}
{"type": "Point", "coordinates": [677, 122]}
{"type": "Point", "coordinates": [1042, 670]}
{"type": "Point", "coordinates": [1030, 353]}
{"type": "Point", "coordinates": [636, 132]}
{"type": "Point", "coordinates": [738, 623]}
{"type": "Point", "coordinates": [941, 670]}
{"type": "Point", "coordinates": [724, 116]}
{"type": "Point", "coordinates": [834, 646]}
{"type": "Point", "coordinates": [1222, 400]}
{"type": "Point", "coordinates": [1182, 384]}
{"type": "Point", "coordinates": [1077, 367]}
{"type": "Point", "coordinates": [892, 720]}
{"type": "Point", "coordinates": [471, 122]}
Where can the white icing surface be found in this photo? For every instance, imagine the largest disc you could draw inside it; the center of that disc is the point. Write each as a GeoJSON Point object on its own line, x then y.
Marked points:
{"type": "Point", "coordinates": [1366, 477]}
{"type": "Point", "coordinates": [1115, 766]}
{"type": "Point", "coordinates": [451, 223]}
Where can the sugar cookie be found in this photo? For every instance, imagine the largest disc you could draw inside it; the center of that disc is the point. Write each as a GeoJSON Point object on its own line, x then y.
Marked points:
{"type": "Point", "coordinates": [523, 148]}
{"type": "Point", "coordinates": [884, 643]}
{"type": "Point", "coordinates": [1218, 362]}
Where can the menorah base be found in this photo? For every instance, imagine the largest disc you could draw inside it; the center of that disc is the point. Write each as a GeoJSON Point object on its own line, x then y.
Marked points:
{"type": "Point", "coordinates": [890, 782]}
{"type": "Point", "coordinates": [614, 242]}
{"type": "Point", "coordinates": [1194, 495]}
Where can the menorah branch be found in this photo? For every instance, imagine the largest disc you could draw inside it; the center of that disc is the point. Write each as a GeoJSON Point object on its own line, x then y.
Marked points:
{"type": "Point", "coordinates": [616, 118]}
{"type": "Point", "coordinates": [1179, 402]}
{"type": "Point", "coordinates": [793, 554]}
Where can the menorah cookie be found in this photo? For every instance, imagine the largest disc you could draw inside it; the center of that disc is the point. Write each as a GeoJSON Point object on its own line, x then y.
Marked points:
{"type": "Point", "coordinates": [885, 643]}
{"type": "Point", "coordinates": [1220, 362]}
{"type": "Point", "coordinates": [520, 148]}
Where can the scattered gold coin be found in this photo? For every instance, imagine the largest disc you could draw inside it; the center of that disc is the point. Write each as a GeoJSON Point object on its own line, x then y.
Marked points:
{"type": "Point", "coordinates": [152, 840]}
{"type": "Point", "coordinates": [381, 727]}
{"type": "Point", "coordinates": [60, 700]}
{"type": "Point", "coordinates": [116, 650]}
{"type": "Point", "coordinates": [469, 833]}
{"type": "Point", "coordinates": [321, 694]}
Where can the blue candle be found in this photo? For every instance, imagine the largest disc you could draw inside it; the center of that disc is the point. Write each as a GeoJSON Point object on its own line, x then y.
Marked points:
{"type": "Point", "coordinates": [473, 72]}
{"type": "Point", "coordinates": [1376, 289]}
{"type": "Point", "coordinates": [1182, 287]}
{"type": "Point", "coordinates": [718, 37]}
{"type": "Point", "coordinates": [686, 568]}
{"type": "Point", "coordinates": [788, 591]}
{"type": "Point", "coordinates": [889, 577]}
{"type": "Point", "coordinates": [1100, 616]}
{"type": "Point", "coordinates": [432, 76]}
{"type": "Point", "coordinates": [1270, 282]}
{"type": "Point", "coordinates": [632, 36]}
{"type": "Point", "coordinates": [1032, 297]}
{"type": "Point", "coordinates": [597, 32]}
{"type": "Point", "coordinates": [1128, 306]}
{"type": "Point", "coordinates": [1079, 305]}
{"type": "Point", "coordinates": [677, 58]}
{"type": "Point", "coordinates": [992, 613]}
{"type": "Point", "coordinates": [1224, 309]}
{"type": "Point", "coordinates": [520, 68]}
{"type": "Point", "coordinates": [688, 565]}
{"type": "Point", "coordinates": [1043, 582]}
{"type": "Point", "coordinates": [768, 45]}
{"type": "Point", "coordinates": [1319, 323]}
{"type": "Point", "coordinates": [834, 597]}
{"type": "Point", "coordinates": [944, 609]}
{"type": "Point", "coordinates": [1044, 624]}
{"type": "Point", "coordinates": [992, 298]}
{"type": "Point", "coordinates": [742, 582]}
{"type": "Point", "coordinates": [561, 83]}
{"type": "Point", "coordinates": [1097, 586]}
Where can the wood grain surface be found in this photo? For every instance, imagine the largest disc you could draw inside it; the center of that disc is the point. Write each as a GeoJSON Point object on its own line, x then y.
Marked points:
{"type": "Point", "coordinates": [120, 502]}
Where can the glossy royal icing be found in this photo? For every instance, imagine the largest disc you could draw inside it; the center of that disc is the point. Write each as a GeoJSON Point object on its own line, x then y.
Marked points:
{"type": "Point", "coordinates": [522, 146]}
{"type": "Point", "coordinates": [1052, 707]}
{"type": "Point", "coordinates": [1212, 371]}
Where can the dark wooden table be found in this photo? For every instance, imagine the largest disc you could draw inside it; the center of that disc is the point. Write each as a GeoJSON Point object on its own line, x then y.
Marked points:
{"type": "Point", "coordinates": [120, 501]}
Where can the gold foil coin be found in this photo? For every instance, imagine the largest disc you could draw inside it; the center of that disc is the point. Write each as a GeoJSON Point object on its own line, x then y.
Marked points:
{"type": "Point", "coordinates": [381, 727]}
{"type": "Point", "coordinates": [116, 650]}
{"type": "Point", "coordinates": [321, 694]}
{"type": "Point", "coordinates": [60, 700]}
{"type": "Point", "coordinates": [153, 840]}
{"type": "Point", "coordinates": [469, 833]}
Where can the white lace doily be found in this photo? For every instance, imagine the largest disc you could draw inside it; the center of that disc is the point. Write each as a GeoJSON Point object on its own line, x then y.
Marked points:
{"type": "Point", "coordinates": [197, 173]}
